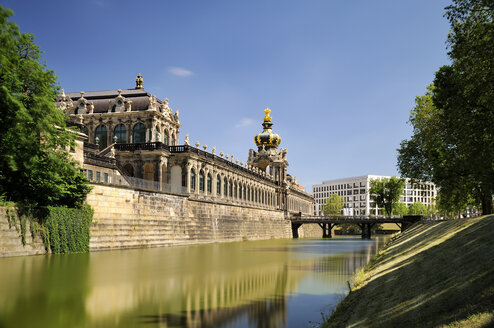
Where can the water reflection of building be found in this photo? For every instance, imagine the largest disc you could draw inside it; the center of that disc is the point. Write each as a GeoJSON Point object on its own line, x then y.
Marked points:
{"type": "Point", "coordinates": [199, 300]}
{"type": "Point", "coordinates": [158, 286]}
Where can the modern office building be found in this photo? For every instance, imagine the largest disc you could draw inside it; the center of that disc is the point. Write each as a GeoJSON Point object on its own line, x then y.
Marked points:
{"type": "Point", "coordinates": [355, 192]}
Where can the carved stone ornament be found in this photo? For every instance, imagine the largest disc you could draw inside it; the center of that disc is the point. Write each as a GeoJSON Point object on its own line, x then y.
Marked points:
{"type": "Point", "coordinates": [186, 141]}
{"type": "Point", "coordinates": [64, 102]}
{"type": "Point", "coordinates": [81, 104]}
{"type": "Point", "coordinates": [152, 103]}
{"type": "Point", "coordinates": [118, 102]}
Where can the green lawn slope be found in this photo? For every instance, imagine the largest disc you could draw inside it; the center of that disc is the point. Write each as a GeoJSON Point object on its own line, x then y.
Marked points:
{"type": "Point", "coordinates": [432, 275]}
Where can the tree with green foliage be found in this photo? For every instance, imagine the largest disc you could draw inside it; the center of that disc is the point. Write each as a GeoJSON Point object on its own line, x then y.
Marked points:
{"type": "Point", "coordinates": [35, 167]}
{"type": "Point", "coordinates": [333, 205]}
{"type": "Point", "coordinates": [400, 209]}
{"type": "Point", "coordinates": [455, 203]}
{"type": "Point", "coordinates": [386, 192]}
{"type": "Point", "coordinates": [417, 208]}
{"type": "Point", "coordinates": [453, 122]}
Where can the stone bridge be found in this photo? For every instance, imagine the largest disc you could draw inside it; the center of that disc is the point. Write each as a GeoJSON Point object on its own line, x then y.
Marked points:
{"type": "Point", "coordinates": [327, 223]}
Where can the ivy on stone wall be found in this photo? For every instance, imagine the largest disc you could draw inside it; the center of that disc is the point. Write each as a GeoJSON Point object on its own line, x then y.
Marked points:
{"type": "Point", "coordinates": [68, 229]}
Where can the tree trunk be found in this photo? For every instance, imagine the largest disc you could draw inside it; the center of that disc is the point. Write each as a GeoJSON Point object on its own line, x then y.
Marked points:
{"type": "Point", "coordinates": [486, 203]}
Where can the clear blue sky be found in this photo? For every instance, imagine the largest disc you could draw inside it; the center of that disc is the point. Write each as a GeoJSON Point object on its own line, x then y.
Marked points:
{"type": "Point", "coordinates": [339, 76]}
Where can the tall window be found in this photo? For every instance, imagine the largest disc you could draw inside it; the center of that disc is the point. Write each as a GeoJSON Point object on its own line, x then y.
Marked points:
{"type": "Point", "coordinates": [173, 141]}
{"type": "Point", "coordinates": [201, 181]}
{"type": "Point", "coordinates": [230, 184]}
{"type": "Point", "coordinates": [139, 133]}
{"type": "Point", "coordinates": [121, 133]}
{"type": "Point", "coordinates": [218, 185]}
{"type": "Point", "coordinates": [240, 191]}
{"type": "Point", "coordinates": [157, 134]}
{"type": "Point", "coordinates": [225, 187]}
{"type": "Point", "coordinates": [208, 183]}
{"type": "Point", "coordinates": [192, 179]}
{"type": "Point", "coordinates": [165, 137]}
{"type": "Point", "coordinates": [101, 136]}
{"type": "Point", "coordinates": [235, 189]}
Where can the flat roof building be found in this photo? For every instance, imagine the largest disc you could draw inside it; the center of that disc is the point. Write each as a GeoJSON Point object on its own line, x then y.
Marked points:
{"type": "Point", "coordinates": [355, 192]}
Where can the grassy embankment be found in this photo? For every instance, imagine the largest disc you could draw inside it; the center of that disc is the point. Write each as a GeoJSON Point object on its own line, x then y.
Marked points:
{"type": "Point", "coordinates": [433, 275]}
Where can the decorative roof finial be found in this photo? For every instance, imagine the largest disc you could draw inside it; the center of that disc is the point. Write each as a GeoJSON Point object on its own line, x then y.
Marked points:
{"type": "Point", "coordinates": [267, 117]}
{"type": "Point", "coordinates": [267, 139]}
{"type": "Point", "coordinates": [139, 81]}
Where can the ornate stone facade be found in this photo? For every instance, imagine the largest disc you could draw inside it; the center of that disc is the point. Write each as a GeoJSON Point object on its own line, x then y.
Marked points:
{"type": "Point", "coordinates": [136, 135]}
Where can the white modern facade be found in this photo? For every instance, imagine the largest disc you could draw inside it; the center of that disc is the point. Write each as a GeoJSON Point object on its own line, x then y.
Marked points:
{"type": "Point", "coordinates": [355, 192]}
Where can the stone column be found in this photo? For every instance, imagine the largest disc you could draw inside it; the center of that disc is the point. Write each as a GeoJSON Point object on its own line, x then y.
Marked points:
{"type": "Point", "coordinates": [157, 173]}
{"type": "Point", "coordinates": [206, 172]}
{"type": "Point", "coordinates": [149, 130]}
{"type": "Point", "coordinates": [198, 170]}
{"type": "Point", "coordinates": [139, 166]}
{"type": "Point", "coordinates": [128, 126]}
{"type": "Point", "coordinates": [188, 166]}
{"type": "Point", "coordinates": [109, 127]}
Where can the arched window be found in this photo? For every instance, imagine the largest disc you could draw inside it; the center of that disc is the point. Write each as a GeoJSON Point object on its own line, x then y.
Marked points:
{"type": "Point", "coordinates": [230, 184]}
{"type": "Point", "coordinates": [165, 137]}
{"type": "Point", "coordinates": [192, 179]}
{"type": "Point", "coordinates": [218, 185]}
{"type": "Point", "coordinates": [101, 136]}
{"type": "Point", "coordinates": [173, 141]}
{"type": "Point", "coordinates": [129, 170]}
{"type": "Point", "coordinates": [121, 133]}
{"type": "Point", "coordinates": [235, 190]}
{"type": "Point", "coordinates": [139, 133]}
{"type": "Point", "coordinates": [240, 191]}
{"type": "Point", "coordinates": [208, 183]}
{"type": "Point", "coordinates": [225, 187]}
{"type": "Point", "coordinates": [201, 180]}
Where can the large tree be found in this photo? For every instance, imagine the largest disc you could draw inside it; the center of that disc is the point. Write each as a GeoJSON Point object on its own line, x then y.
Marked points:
{"type": "Point", "coordinates": [453, 140]}
{"type": "Point", "coordinates": [333, 205]}
{"type": "Point", "coordinates": [386, 192]}
{"type": "Point", "coordinates": [35, 166]}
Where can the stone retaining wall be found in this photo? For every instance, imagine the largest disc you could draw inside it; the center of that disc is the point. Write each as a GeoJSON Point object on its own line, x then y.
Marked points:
{"type": "Point", "coordinates": [10, 237]}
{"type": "Point", "coordinates": [127, 218]}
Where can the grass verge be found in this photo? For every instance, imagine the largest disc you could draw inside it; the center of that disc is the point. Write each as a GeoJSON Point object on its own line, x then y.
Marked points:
{"type": "Point", "coordinates": [433, 275]}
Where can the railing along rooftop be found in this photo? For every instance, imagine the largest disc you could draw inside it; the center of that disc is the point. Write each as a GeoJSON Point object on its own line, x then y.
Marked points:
{"type": "Point", "coordinates": [189, 149]}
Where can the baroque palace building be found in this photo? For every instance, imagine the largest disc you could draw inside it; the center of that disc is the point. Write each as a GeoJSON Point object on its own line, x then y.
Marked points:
{"type": "Point", "coordinates": [132, 138]}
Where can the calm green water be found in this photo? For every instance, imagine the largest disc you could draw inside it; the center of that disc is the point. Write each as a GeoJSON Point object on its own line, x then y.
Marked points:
{"type": "Point", "coordinates": [275, 283]}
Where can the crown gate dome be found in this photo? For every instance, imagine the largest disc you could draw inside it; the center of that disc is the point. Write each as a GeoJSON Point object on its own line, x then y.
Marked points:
{"type": "Point", "coordinates": [267, 139]}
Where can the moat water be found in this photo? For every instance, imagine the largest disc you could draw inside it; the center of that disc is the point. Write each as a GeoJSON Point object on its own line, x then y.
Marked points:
{"type": "Point", "coordinates": [273, 283]}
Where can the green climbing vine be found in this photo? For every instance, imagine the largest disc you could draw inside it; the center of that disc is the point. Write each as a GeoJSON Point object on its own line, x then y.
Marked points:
{"type": "Point", "coordinates": [62, 229]}
{"type": "Point", "coordinates": [12, 217]}
{"type": "Point", "coordinates": [68, 229]}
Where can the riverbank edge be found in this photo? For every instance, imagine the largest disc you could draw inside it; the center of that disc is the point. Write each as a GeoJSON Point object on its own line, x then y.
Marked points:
{"type": "Point", "coordinates": [126, 219]}
{"type": "Point", "coordinates": [432, 275]}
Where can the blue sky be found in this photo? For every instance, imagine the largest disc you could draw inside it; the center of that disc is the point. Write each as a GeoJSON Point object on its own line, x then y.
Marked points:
{"type": "Point", "coordinates": [339, 76]}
